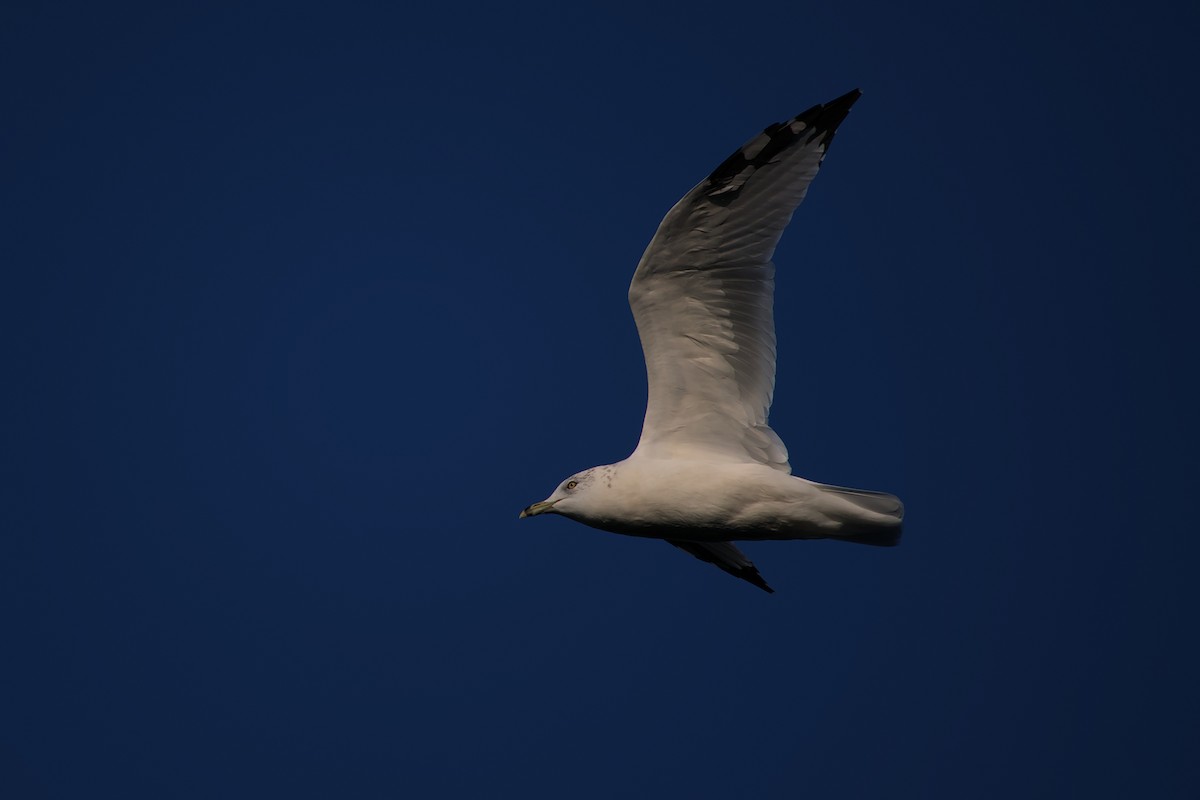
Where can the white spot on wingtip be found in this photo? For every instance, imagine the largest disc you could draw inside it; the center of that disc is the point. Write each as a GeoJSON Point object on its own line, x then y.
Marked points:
{"type": "Point", "coordinates": [755, 147]}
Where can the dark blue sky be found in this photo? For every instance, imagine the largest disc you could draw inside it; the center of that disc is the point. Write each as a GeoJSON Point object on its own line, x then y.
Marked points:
{"type": "Point", "coordinates": [302, 305]}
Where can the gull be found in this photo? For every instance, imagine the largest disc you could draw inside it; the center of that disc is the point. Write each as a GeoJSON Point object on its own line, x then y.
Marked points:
{"type": "Point", "coordinates": [708, 470]}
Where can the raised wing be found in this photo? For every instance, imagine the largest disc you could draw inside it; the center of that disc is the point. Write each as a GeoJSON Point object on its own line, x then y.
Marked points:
{"type": "Point", "coordinates": [702, 296]}
{"type": "Point", "coordinates": [726, 556]}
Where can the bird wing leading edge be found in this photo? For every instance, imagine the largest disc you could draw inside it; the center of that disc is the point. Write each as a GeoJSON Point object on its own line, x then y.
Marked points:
{"type": "Point", "coordinates": [702, 296]}
{"type": "Point", "coordinates": [726, 556]}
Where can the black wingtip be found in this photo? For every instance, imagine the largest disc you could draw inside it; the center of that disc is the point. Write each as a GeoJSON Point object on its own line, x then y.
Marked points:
{"type": "Point", "coordinates": [758, 581]}
{"type": "Point", "coordinates": [817, 123]}
{"type": "Point", "coordinates": [824, 119]}
{"type": "Point", "coordinates": [738, 567]}
{"type": "Point", "coordinates": [848, 99]}
{"type": "Point", "coordinates": [750, 574]}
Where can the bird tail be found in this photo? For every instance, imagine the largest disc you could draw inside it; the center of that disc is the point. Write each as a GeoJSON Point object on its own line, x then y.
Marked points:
{"type": "Point", "coordinates": [879, 519]}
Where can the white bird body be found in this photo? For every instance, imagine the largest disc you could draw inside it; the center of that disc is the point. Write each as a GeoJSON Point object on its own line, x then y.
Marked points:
{"type": "Point", "coordinates": [713, 501]}
{"type": "Point", "coordinates": [708, 470]}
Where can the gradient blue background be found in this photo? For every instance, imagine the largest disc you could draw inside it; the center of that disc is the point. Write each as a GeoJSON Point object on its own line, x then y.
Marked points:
{"type": "Point", "coordinates": [302, 305]}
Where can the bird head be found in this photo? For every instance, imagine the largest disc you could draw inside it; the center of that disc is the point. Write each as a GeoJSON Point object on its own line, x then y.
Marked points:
{"type": "Point", "coordinates": [569, 499]}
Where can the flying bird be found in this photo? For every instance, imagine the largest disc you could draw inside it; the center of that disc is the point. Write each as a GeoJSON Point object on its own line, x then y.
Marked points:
{"type": "Point", "coordinates": [708, 470]}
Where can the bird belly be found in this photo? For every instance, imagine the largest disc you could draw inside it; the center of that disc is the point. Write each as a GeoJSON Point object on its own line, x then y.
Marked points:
{"type": "Point", "coordinates": [714, 503]}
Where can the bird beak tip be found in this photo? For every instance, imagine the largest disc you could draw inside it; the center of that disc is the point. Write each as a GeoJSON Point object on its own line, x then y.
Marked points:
{"type": "Point", "coordinates": [535, 509]}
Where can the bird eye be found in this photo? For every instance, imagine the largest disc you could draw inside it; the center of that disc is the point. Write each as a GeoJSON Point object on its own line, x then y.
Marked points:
{"type": "Point", "coordinates": [572, 484]}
